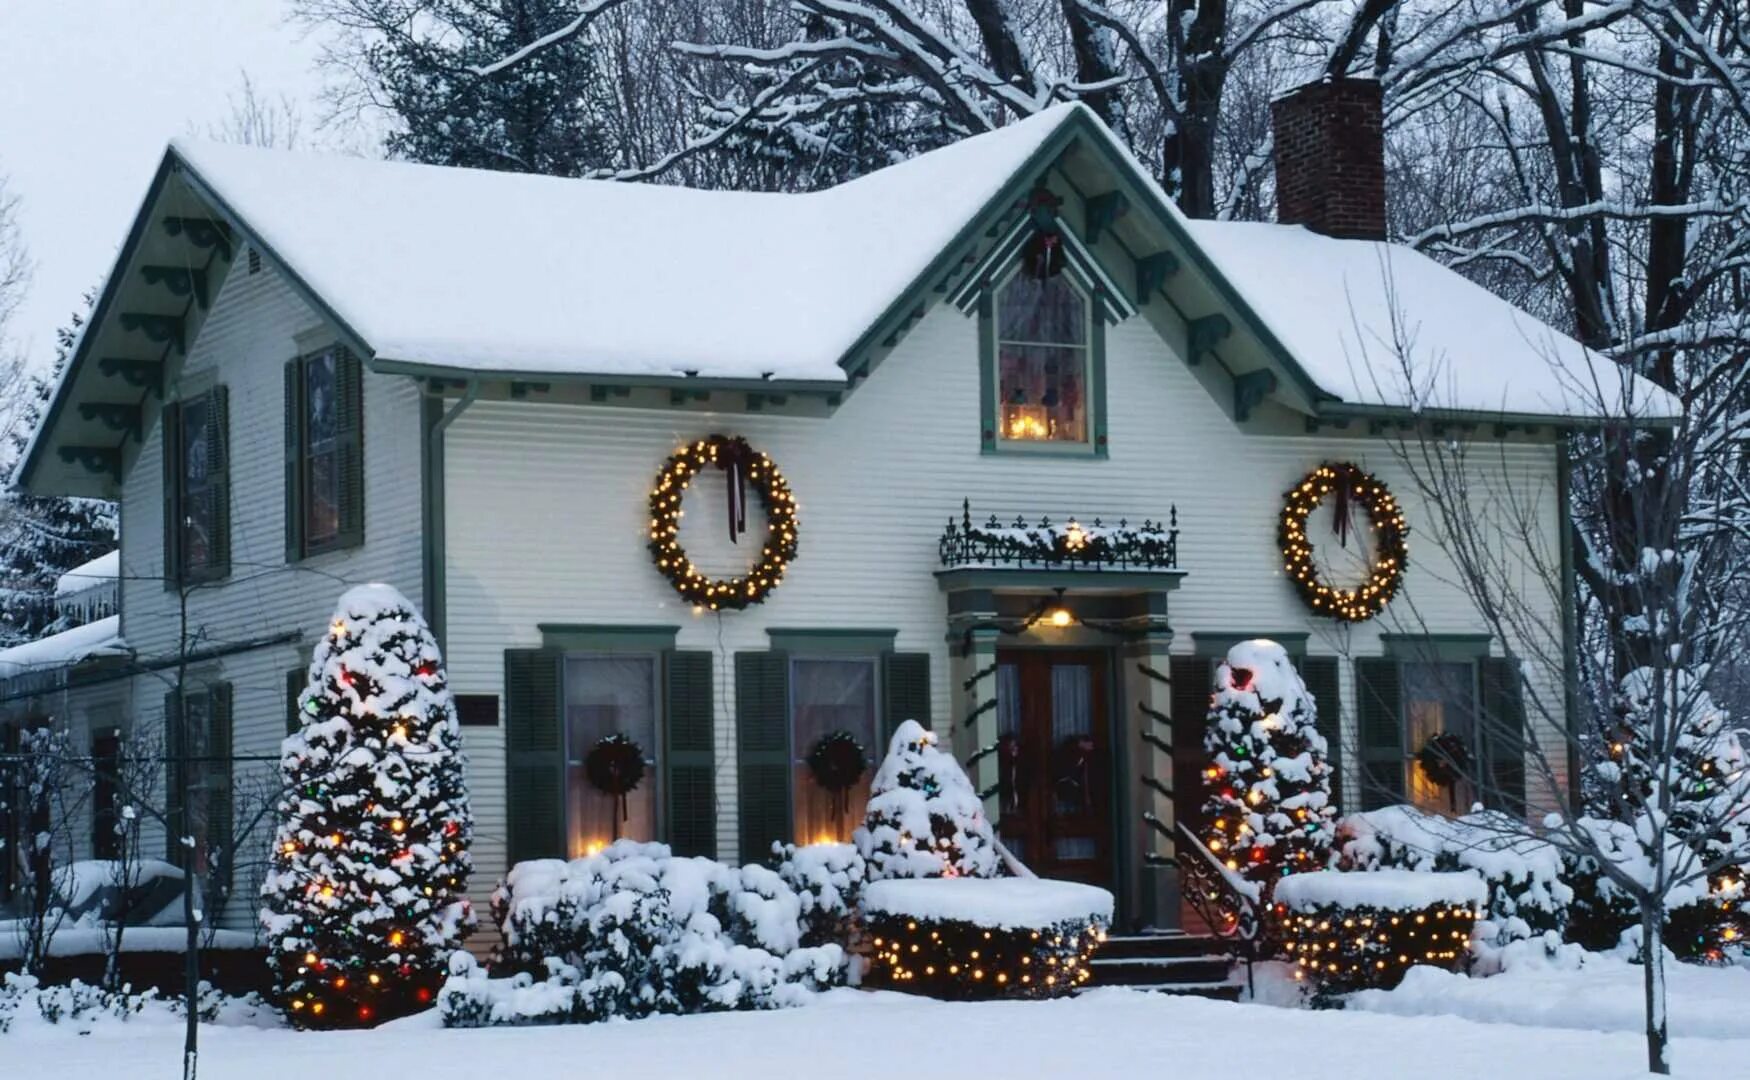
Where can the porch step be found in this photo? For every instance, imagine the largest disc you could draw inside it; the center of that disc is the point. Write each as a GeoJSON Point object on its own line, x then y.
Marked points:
{"type": "Point", "coordinates": [1160, 943]}
{"type": "Point", "coordinates": [1168, 962]}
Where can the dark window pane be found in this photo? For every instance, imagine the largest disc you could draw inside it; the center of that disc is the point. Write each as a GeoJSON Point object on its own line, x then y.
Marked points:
{"type": "Point", "coordinates": [1042, 393]}
{"type": "Point", "coordinates": [197, 527]}
{"type": "Point", "coordinates": [1438, 698]}
{"type": "Point", "coordinates": [829, 696]}
{"type": "Point", "coordinates": [319, 393]}
{"type": "Point", "coordinates": [197, 499]}
{"type": "Point", "coordinates": [1048, 311]}
{"type": "Point", "coordinates": [322, 499]}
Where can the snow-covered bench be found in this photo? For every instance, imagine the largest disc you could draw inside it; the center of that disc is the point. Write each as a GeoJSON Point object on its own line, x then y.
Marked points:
{"type": "Point", "coordinates": [964, 938]}
{"type": "Point", "coordinates": [1350, 931]}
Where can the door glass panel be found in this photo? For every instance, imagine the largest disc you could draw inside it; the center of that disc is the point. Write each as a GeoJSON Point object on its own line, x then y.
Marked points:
{"type": "Point", "coordinates": [608, 695]}
{"type": "Point", "coordinates": [828, 697]}
{"type": "Point", "coordinates": [1072, 701]}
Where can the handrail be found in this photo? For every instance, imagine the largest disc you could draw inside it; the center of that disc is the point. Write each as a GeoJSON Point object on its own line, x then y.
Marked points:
{"type": "Point", "coordinates": [1230, 905]}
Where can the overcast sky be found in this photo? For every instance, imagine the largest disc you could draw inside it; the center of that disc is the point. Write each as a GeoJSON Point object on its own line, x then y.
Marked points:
{"type": "Point", "coordinates": [91, 90]}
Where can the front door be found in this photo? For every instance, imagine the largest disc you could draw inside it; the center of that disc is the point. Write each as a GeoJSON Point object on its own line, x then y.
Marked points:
{"type": "Point", "coordinates": [1055, 754]}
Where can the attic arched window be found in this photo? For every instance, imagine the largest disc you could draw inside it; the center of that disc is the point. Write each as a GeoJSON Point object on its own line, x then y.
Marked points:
{"type": "Point", "coordinates": [1043, 354]}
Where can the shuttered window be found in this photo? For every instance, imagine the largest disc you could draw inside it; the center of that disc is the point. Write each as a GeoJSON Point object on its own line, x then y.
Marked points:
{"type": "Point", "coordinates": [324, 452]}
{"type": "Point", "coordinates": [197, 488]}
{"type": "Point", "coordinates": [786, 703]}
{"type": "Point", "coordinates": [106, 763]}
{"type": "Point", "coordinates": [558, 706]}
{"type": "Point", "coordinates": [198, 749]}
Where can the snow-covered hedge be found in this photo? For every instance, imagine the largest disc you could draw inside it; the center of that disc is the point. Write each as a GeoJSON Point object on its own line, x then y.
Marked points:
{"type": "Point", "coordinates": [80, 1007]}
{"type": "Point", "coordinates": [967, 938]}
{"type": "Point", "coordinates": [634, 930]}
{"type": "Point", "coordinates": [1528, 896]}
{"type": "Point", "coordinates": [1354, 931]}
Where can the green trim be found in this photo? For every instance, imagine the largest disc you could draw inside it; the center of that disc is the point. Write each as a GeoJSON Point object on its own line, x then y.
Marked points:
{"type": "Point", "coordinates": [1097, 387]}
{"type": "Point", "coordinates": [1570, 617]}
{"type": "Point", "coordinates": [599, 637]}
{"type": "Point", "coordinates": [1216, 643]}
{"type": "Point", "coordinates": [434, 421]}
{"type": "Point", "coordinates": [1073, 581]}
{"type": "Point", "coordinates": [532, 378]}
{"type": "Point", "coordinates": [836, 641]}
{"type": "Point", "coordinates": [987, 375]}
{"type": "Point", "coordinates": [1462, 648]}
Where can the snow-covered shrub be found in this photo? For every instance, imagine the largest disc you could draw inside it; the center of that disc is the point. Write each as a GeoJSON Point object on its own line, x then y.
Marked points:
{"type": "Point", "coordinates": [965, 938]}
{"type": "Point", "coordinates": [634, 930]}
{"type": "Point", "coordinates": [1528, 893]}
{"type": "Point", "coordinates": [1355, 931]}
{"type": "Point", "coordinates": [828, 880]}
{"type": "Point", "coordinates": [924, 817]}
{"type": "Point", "coordinates": [1699, 916]}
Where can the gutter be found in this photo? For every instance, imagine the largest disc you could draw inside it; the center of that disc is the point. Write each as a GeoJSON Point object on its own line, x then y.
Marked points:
{"type": "Point", "coordinates": [433, 582]}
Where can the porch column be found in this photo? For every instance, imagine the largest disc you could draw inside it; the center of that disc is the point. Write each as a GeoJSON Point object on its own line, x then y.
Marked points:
{"type": "Point", "coordinates": [976, 729]}
{"type": "Point", "coordinates": [1148, 689]}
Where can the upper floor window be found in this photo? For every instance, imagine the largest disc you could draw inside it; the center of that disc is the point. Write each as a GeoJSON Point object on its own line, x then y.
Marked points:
{"type": "Point", "coordinates": [197, 489]}
{"type": "Point", "coordinates": [324, 459]}
{"type": "Point", "coordinates": [1043, 361]}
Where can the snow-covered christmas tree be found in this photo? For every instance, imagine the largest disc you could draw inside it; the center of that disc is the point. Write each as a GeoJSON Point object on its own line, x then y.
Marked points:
{"type": "Point", "coordinates": [924, 818]}
{"type": "Point", "coordinates": [364, 900]}
{"type": "Point", "coordinates": [1268, 782]}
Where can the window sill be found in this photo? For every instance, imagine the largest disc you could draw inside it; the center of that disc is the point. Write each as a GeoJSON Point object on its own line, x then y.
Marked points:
{"type": "Point", "coordinates": [1082, 451]}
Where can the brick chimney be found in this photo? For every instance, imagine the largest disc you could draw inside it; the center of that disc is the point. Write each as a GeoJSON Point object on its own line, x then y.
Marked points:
{"type": "Point", "coordinates": [1330, 158]}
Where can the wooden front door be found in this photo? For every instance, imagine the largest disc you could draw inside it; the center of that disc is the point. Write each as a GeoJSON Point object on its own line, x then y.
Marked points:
{"type": "Point", "coordinates": [1055, 762]}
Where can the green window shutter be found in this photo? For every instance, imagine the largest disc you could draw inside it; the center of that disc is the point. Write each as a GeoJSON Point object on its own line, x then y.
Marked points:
{"type": "Point", "coordinates": [216, 775]}
{"type": "Point", "coordinates": [294, 408]}
{"type": "Point", "coordinates": [219, 466]}
{"type": "Point", "coordinates": [173, 779]}
{"type": "Point", "coordinates": [1504, 735]}
{"type": "Point", "coordinates": [762, 741]}
{"type": "Point", "coordinates": [1379, 709]}
{"type": "Point", "coordinates": [296, 679]}
{"type": "Point", "coordinates": [906, 682]}
{"type": "Point", "coordinates": [1192, 678]}
{"type": "Point", "coordinates": [1320, 675]}
{"type": "Point", "coordinates": [534, 754]}
{"type": "Point", "coordinates": [690, 779]}
{"type": "Point", "coordinates": [350, 421]}
{"type": "Point", "coordinates": [170, 446]}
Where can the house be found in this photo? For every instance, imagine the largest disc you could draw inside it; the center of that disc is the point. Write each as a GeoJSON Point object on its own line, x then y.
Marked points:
{"type": "Point", "coordinates": [493, 390]}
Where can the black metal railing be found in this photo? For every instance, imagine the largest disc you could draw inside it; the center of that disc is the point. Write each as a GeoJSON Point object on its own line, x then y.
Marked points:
{"type": "Point", "coordinates": [1047, 545]}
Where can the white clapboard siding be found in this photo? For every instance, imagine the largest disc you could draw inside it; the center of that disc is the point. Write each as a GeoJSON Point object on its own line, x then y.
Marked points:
{"type": "Point", "coordinates": [546, 508]}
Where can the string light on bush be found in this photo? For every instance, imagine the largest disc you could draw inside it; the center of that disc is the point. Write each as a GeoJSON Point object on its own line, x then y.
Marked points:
{"type": "Point", "coordinates": [956, 960]}
{"type": "Point", "coordinates": [733, 455]}
{"type": "Point", "coordinates": [1386, 521]}
{"type": "Point", "coordinates": [1338, 950]}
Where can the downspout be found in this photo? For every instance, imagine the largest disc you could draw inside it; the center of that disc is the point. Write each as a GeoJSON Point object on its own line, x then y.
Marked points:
{"type": "Point", "coordinates": [1570, 618]}
{"type": "Point", "coordinates": [437, 421]}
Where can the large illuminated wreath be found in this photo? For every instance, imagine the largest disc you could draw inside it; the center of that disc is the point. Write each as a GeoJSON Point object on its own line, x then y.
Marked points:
{"type": "Point", "coordinates": [744, 467]}
{"type": "Point", "coordinates": [1348, 484]}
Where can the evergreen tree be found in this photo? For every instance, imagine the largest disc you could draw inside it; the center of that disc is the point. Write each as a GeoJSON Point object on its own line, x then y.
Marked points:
{"type": "Point", "coordinates": [1709, 800]}
{"type": "Point", "coordinates": [545, 115]}
{"type": "Point", "coordinates": [364, 900]}
{"type": "Point", "coordinates": [924, 817]}
{"type": "Point", "coordinates": [44, 536]}
{"type": "Point", "coordinates": [1268, 783]}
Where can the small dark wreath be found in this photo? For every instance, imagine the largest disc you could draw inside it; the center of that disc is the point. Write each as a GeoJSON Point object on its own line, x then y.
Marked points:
{"type": "Point", "coordinates": [837, 761]}
{"type": "Point", "coordinates": [615, 765]}
{"type": "Point", "coordinates": [732, 454]}
{"type": "Point", "coordinates": [1444, 758]}
{"type": "Point", "coordinates": [1391, 552]}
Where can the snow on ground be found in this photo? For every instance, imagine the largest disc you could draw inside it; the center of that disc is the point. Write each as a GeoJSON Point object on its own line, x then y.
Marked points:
{"type": "Point", "coordinates": [1605, 995]}
{"type": "Point", "coordinates": [851, 1035]}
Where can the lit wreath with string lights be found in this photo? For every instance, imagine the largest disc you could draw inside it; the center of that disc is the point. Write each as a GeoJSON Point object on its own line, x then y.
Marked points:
{"type": "Point", "coordinates": [745, 467]}
{"type": "Point", "coordinates": [1391, 554]}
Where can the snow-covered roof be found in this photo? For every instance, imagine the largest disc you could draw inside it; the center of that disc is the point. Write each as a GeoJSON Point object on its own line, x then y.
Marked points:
{"type": "Point", "coordinates": [98, 572]}
{"type": "Point", "coordinates": [1374, 323]}
{"type": "Point", "coordinates": [493, 271]}
{"type": "Point", "coordinates": [100, 638]}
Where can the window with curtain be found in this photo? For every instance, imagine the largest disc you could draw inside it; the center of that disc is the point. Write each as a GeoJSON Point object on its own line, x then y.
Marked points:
{"type": "Point", "coordinates": [1042, 360]}
{"type": "Point", "coordinates": [196, 497]}
{"type": "Point", "coordinates": [1438, 697]}
{"type": "Point", "coordinates": [610, 695]}
{"type": "Point", "coordinates": [826, 697]}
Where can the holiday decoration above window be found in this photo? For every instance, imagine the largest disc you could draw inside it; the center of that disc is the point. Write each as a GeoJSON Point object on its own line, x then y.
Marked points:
{"type": "Point", "coordinates": [1348, 484]}
{"type": "Point", "coordinates": [743, 466]}
{"type": "Point", "coordinates": [1071, 545]}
